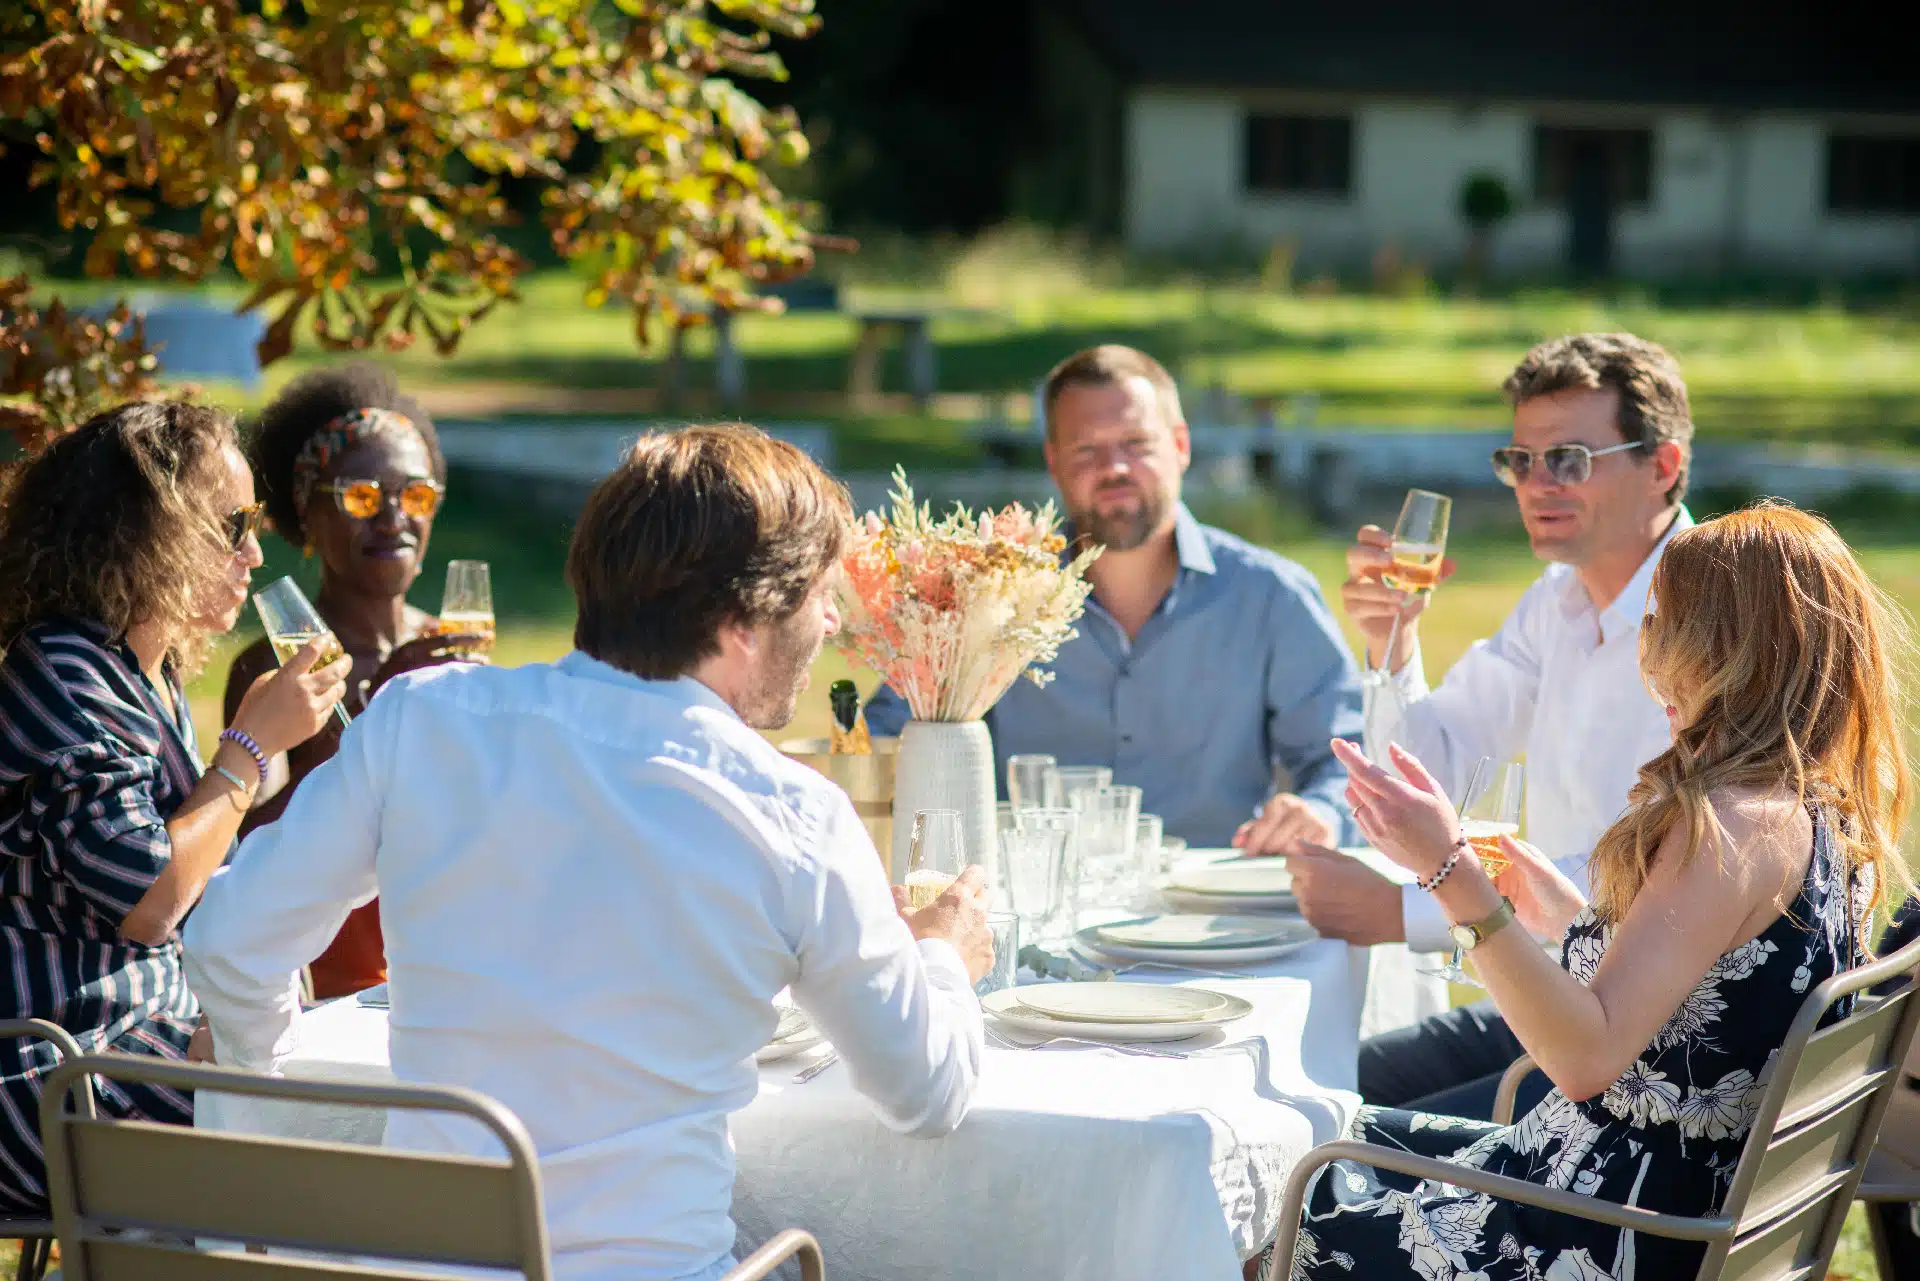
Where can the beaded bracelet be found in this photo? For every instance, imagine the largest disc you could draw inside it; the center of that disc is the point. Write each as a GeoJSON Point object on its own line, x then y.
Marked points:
{"type": "Point", "coordinates": [1433, 883]}
{"type": "Point", "coordinates": [245, 742]}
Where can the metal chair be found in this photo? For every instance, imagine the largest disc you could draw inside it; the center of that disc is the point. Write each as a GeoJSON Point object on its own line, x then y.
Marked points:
{"type": "Point", "coordinates": [372, 1210]}
{"type": "Point", "coordinates": [1797, 1174]}
{"type": "Point", "coordinates": [36, 1235]}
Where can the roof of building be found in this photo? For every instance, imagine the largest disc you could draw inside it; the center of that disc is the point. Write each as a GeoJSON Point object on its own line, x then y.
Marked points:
{"type": "Point", "coordinates": [1835, 55]}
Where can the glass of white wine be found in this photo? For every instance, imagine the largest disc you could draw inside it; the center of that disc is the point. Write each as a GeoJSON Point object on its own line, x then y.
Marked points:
{"type": "Point", "coordinates": [291, 621]}
{"type": "Point", "coordinates": [1419, 542]}
{"type": "Point", "coordinates": [936, 855]}
{"type": "Point", "coordinates": [1495, 801]}
{"type": "Point", "coordinates": [467, 607]}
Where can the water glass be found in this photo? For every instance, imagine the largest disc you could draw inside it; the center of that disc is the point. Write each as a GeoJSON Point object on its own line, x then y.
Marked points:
{"type": "Point", "coordinates": [1006, 954]}
{"type": "Point", "coordinates": [1027, 780]}
{"type": "Point", "coordinates": [1033, 864]}
{"type": "Point", "coordinates": [1003, 812]}
{"type": "Point", "coordinates": [1065, 782]}
{"type": "Point", "coordinates": [1109, 824]}
{"type": "Point", "coordinates": [1148, 852]}
{"type": "Point", "coordinates": [936, 855]}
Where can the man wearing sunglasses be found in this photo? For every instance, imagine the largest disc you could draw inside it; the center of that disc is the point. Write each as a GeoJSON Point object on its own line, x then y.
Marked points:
{"type": "Point", "coordinates": [1602, 437]}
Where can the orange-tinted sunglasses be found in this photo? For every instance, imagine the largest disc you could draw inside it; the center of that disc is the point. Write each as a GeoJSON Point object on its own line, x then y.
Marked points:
{"type": "Point", "coordinates": [361, 499]}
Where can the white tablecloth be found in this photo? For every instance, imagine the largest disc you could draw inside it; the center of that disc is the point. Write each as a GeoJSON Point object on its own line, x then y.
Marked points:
{"type": "Point", "coordinates": [1074, 1164]}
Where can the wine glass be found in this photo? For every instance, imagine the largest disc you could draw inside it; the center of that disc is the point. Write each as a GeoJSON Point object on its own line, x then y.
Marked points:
{"type": "Point", "coordinates": [291, 621]}
{"type": "Point", "coordinates": [1033, 859]}
{"type": "Point", "coordinates": [1496, 798]}
{"type": "Point", "coordinates": [467, 606]}
{"type": "Point", "coordinates": [1419, 542]}
{"type": "Point", "coordinates": [936, 855]}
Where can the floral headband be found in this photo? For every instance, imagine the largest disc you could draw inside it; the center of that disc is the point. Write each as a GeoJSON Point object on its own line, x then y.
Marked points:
{"type": "Point", "coordinates": [335, 439]}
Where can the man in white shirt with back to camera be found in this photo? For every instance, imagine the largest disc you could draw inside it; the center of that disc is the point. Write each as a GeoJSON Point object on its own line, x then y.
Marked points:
{"type": "Point", "coordinates": [1602, 437]}
{"type": "Point", "coordinates": [595, 875]}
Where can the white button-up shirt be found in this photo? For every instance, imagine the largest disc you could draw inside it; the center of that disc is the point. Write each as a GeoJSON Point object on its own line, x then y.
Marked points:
{"type": "Point", "coordinates": [591, 888]}
{"type": "Point", "coordinates": [1560, 684]}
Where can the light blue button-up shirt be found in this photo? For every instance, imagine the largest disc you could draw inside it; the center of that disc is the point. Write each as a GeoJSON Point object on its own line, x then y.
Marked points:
{"type": "Point", "coordinates": [1241, 673]}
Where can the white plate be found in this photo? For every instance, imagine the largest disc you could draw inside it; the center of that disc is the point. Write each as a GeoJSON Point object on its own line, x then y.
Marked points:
{"type": "Point", "coordinates": [1193, 930]}
{"type": "Point", "coordinates": [1187, 901]}
{"type": "Point", "coordinates": [1299, 934]}
{"type": "Point", "coordinates": [1265, 876]}
{"type": "Point", "coordinates": [1006, 1007]}
{"type": "Point", "coordinates": [1121, 1002]}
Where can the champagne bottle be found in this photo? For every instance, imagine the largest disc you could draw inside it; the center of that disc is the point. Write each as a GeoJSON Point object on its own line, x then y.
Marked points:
{"type": "Point", "coordinates": [849, 726]}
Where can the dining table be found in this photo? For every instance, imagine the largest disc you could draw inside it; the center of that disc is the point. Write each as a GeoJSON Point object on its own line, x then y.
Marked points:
{"type": "Point", "coordinates": [1081, 1162]}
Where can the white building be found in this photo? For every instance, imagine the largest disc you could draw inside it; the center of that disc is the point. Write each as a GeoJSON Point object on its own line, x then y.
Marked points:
{"type": "Point", "coordinates": [1629, 143]}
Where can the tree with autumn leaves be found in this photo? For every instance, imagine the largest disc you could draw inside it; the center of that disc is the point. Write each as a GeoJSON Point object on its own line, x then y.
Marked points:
{"type": "Point", "coordinates": [294, 134]}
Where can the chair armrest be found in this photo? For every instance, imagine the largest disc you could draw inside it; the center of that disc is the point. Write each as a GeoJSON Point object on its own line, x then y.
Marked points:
{"type": "Point", "coordinates": [761, 1263]}
{"type": "Point", "coordinates": [1503, 1097]}
{"type": "Point", "coordinates": [1677, 1227]}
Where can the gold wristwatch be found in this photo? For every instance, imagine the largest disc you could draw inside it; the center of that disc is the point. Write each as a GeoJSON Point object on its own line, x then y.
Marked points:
{"type": "Point", "coordinates": [1466, 937]}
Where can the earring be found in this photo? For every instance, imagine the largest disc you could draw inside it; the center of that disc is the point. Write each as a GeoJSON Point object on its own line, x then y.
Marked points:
{"type": "Point", "coordinates": [307, 551]}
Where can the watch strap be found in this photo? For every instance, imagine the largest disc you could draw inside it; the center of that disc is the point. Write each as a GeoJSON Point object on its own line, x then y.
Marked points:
{"type": "Point", "coordinates": [1493, 923]}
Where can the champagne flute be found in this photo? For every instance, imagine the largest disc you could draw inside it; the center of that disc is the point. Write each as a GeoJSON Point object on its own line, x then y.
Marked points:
{"type": "Point", "coordinates": [467, 606]}
{"type": "Point", "coordinates": [1453, 971]}
{"type": "Point", "coordinates": [1490, 813]}
{"type": "Point", "coordinates": [291, 621]}
{"type": "Point", "coordinates": [1419, 542]}
{"type": "Point", "coordinates": [936, 855]}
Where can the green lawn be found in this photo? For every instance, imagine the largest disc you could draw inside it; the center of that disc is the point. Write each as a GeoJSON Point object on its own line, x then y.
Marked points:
{"type": "Point", "coordinates": [1822, 372]}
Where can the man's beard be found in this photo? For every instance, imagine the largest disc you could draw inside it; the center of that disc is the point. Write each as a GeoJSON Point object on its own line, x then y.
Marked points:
{"type": "Point", "coordinates": [775, 694]}
{"type": "Point", "coordinates": [1122, 531]}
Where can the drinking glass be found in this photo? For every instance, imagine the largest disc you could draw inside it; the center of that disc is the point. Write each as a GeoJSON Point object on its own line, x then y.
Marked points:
{"type": "Point", "coordinates": [1027, 780]}
{"type": "Point", "coordinates": [1033, 861]}
{"type": "Point", "coordinates": [1065, 782]}
{"type": "Point", "coordinates": [1109, 824]}
{"type": "Point", "coordinates": [467, 606]}
{"type": "Point", "coordinates": [1496, 798]}
{"type": "Point", "coordinates": [291, 621]}
{"type": "Point", "coordinates": [1003, 813]}
{"type": "Point", "coordinates": [936, 855]}
{"type": "Point", "coordinates": [1005, 927]}
{"type": "Point", "coordinates": [1419, 542]}
{"type": "Point", "coordinates": [1148, 851]}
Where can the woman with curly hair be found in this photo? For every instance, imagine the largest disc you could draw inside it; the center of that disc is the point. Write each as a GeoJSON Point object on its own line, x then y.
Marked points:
{"type": "Point", "coordinates": [350, 471]}
{"type": "Point", "coordinates": [1747, 869]}
{"type": "Point", "coordinates": [124, 548]}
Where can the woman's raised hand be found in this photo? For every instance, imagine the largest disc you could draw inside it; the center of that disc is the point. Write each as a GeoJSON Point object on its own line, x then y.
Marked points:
{"type": "Point", "coordinates": [285, 708]}
{"type": "Point", "coordinates": [1405, 816]}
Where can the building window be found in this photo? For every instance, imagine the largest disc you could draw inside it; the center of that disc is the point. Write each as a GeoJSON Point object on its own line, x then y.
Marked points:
{"type": "Point", "coordinates": [1873, 174]}
{"type": "Point", "coordinates": [1310, 155]}
{"type": "Point", "coordinates": [1616, 161]}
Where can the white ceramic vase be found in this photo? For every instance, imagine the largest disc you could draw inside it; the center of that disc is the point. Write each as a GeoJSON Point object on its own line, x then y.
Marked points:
{"type": "Point", "coordinates": [946, 765]}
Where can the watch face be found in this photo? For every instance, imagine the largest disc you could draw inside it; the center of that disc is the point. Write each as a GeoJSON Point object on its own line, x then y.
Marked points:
{"type": "Point", "coordinates": [1463, 937]}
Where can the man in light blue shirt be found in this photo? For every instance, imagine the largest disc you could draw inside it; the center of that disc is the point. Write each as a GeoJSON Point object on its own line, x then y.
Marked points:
{"type": "Point", "coordinates": [1205, 668]}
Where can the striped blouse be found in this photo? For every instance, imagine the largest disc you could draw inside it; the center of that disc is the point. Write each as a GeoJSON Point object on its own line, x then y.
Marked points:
{"type": "Point", "coordinates": [92, 765]}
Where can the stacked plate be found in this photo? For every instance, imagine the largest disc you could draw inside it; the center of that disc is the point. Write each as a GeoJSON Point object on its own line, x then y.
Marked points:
{"type": "Point", "coordinates": [795, 1034]}
{"type": "Point", "coordinates": [1234, 885]}
{"type": "Point", "coordinates": [1122, 1012]}
{"type": "Point", "coordinates": [1195, 939]}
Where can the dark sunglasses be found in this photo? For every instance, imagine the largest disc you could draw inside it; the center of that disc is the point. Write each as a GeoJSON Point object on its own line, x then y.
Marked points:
{"type": "Point", "coordinates": [361, 499]}
{"type": "Point", "coordinates": [1566, 464]}
{"type": "Point", "coordinates": [244, 524]}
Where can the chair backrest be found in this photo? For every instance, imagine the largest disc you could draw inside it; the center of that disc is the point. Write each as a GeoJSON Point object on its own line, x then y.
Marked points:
{"type": "Point", "coordinates": [129, 1196]}
{"type": "Point", "coordinates": [1816, 1121]}
{"type": "Point", "coordinates": [63, 1042]}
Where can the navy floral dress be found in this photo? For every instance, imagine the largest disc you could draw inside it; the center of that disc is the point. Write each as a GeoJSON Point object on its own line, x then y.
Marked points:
{"type": "Point", "coordinates": [1665, 1136]}
{"type": "Point", "coordinates": [92, 765]}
